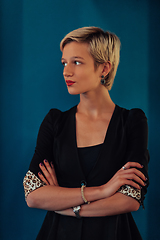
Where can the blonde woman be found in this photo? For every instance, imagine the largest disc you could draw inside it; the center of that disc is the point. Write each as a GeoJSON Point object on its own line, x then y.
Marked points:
{"type": "Point", "coordinates": [89, 169]}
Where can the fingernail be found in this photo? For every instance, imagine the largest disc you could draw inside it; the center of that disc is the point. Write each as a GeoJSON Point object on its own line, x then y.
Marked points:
{"type": "Point", "coordinates": [45, 160]}
{"type": "Point", "coordinates": [41, 164]}
{"type": "Point", "coordinates": [146, 178]}
{"type": "Point", "coordinates": [142, 165]}
{"type": "Point", "coordinates": [39, 173]}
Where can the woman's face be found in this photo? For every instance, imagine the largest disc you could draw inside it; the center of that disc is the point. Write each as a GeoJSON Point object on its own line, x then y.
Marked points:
{"type": "Point", "coordinates": [79, 71]}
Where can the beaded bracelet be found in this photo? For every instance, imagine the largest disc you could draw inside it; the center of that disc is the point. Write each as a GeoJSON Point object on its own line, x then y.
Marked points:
{"type": "Point", "coordinates": [82, 194]}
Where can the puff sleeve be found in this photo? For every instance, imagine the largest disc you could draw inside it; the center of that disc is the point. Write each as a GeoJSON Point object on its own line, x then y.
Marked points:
{"type": "Point", "coordinates": [137, 150]}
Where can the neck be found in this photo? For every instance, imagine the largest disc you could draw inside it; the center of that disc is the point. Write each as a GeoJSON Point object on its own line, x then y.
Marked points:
{"type": "Point", "coordinates": [96, 103]}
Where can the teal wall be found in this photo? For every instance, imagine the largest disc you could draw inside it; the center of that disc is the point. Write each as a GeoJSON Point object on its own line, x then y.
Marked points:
{"type": "Point", "coordinates": [31, 83]}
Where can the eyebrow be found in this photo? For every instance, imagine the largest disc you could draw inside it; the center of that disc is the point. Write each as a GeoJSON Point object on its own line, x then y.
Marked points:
{"type": "Point", "coordinates": [75, 57]}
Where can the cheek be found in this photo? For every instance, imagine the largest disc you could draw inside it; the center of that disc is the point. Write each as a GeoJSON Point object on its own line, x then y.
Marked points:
{"type": "Point", "coordinates": [88, 74]}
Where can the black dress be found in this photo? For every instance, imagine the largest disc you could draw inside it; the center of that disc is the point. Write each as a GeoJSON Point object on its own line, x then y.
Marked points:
{"type": "Point", "coordinates": [126, 140]}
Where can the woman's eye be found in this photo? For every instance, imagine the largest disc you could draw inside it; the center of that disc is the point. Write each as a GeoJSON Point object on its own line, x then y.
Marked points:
{"type": "Point", "coordinates": [64, 64]}
{"type": "Point", "coordinates": [77, 63]}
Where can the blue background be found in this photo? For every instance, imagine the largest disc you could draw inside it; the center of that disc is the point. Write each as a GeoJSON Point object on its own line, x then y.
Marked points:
{"type": "Point", "coordinates": [31, 83]}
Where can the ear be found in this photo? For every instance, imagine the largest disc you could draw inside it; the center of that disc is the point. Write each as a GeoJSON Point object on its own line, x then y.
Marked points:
{"type": "Point", "coordinates": [106, 68]}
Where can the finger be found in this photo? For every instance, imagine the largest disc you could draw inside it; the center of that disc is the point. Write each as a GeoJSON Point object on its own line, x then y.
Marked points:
{"type": "Point", "coordinates": [42, 178]}
{"type": "Point", "coordinates": [135, 178]}
{"type": "Point", "coordinates": [52, 166]}
{"type": "Point", "coordinates": [133, 164]}
{"type": "Point", "coordinates": [46, 174]}
{"type": "Point", "coordinates": [133, 184]}
{"type": "Point", "coordinates": [54, 173]}
{"type": "Point", "coordinates": [136, 172]}
{"type": "Point", "coordinates": [124, 168]}
{"type": "Point", "coordinates": [51, 170]}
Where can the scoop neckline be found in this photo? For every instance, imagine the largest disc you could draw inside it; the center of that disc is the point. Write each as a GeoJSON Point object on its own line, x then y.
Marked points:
{"type": "Point", "coordinates": [97, 145]}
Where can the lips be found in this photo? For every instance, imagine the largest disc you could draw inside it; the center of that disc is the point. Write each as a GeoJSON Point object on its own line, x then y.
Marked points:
{"type": "Point", "coordinates": [69, 82]}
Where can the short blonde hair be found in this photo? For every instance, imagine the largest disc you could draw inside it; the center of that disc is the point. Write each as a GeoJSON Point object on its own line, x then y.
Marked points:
{"type": "Point", "coordinates": [103, 46]}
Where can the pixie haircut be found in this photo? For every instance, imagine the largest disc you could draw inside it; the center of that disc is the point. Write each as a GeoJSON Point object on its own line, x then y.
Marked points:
{"type": "Point", "coordinates": [103, 47]}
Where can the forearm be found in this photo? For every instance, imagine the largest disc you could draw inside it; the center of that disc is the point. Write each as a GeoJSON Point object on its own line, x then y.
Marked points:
{"type": "Point", "coordinates": [114, 205]}
{"type": "Point", "coordinates": [54, 198]}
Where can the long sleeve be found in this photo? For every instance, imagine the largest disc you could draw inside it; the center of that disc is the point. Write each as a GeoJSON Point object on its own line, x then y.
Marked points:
{"type": "Point", "coordinates": [137, 150]}
{"type": "Point", "coordinates": [43, 150]}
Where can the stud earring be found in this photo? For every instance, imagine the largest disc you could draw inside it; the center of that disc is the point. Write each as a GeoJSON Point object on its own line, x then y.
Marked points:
{"type": "Point", "coordinates": [103, 81]}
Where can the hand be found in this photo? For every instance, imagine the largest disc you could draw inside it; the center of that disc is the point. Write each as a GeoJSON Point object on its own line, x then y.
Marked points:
{"type": "Point", "coordinates": [49, 175]}
{"type": "Point", "coordinates": [66, 212]}
{"type": "Point", "coordinates": [128, 174]}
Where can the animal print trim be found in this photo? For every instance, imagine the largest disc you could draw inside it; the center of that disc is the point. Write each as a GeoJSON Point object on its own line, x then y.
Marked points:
{"type": "Point", "coordinates": [31, 182]}
{"type": "Point", "coordinates": [130, 191]}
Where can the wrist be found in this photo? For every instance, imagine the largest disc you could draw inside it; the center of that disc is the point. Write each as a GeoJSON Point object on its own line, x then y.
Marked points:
{"type": "Point", "coordinates": [102, 191]}
{"type": "Point", "coordinates": [94, 193]}
{"type": "Point", "coordinates": [82, 194]}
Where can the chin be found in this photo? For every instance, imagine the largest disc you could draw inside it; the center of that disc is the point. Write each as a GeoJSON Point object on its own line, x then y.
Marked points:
{"type": "Point", "coordinates": [72, 92]}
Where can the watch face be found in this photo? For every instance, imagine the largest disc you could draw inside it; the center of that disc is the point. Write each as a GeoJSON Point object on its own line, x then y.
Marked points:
{"type": "Point", "coordinates": [76, 211]}
{"type": "Point", "coordinates": [76, 208]}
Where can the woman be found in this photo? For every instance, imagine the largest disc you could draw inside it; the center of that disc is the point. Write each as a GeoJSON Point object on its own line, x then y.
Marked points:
{"type": "Point", "coordinates": [89, 169]}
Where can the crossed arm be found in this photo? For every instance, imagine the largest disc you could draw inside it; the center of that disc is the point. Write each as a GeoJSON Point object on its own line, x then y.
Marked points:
{"type": "Point", "coordinates": [105, 200]}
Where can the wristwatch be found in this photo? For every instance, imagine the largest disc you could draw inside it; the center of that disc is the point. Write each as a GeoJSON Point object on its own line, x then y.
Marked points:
{"type": "Point", "coordinates": [76, 210]}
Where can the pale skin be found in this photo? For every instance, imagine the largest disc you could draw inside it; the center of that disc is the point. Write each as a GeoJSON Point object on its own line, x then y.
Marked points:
{"type": "Point", "coordinates": [92, 119]}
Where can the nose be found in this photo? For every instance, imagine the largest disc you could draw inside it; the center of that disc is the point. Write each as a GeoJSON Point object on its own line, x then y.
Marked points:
{"type": "Point", "coordinates": [67, 71]}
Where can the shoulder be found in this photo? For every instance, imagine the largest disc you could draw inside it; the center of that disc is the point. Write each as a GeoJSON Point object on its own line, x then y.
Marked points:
{"type": "Point", "coordinates": [56, 116]}
{"type": "Point", "coordinates": [54, 112]}
{"type": "Point", "coordinates": [137, 113]}
{"type": "Point", "coordinates": [137, 116]}
{"type": "Point", "coordinates": [134, 114]}
{"type": "Point", "coordinates": [135, 122]}
{"type": "Point", "coordinates": [130, 118]}
{"type": "Point", "coordinates": [51, 117]}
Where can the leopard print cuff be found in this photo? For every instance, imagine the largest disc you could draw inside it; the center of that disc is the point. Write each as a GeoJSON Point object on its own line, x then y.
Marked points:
{"type": "Point", "coordinates": [131, 192]}
{"type": "Point", "coordinates": [31, 182]}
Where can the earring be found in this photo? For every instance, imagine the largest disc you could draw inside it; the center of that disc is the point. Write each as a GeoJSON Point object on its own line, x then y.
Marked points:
{"type": "Point", "coordinates": [103, 81]}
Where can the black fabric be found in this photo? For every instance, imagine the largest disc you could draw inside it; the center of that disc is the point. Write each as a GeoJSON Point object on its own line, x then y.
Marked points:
{"type": "Point", "coordinates": [88, 157]}
{"type": "Point", "coordinates": [126, 140]}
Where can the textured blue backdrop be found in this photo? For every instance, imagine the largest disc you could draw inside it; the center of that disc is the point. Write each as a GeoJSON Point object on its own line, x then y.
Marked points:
{"type": "Point", "coordinates": [31, 83]}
